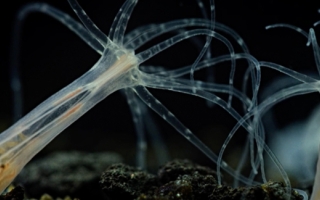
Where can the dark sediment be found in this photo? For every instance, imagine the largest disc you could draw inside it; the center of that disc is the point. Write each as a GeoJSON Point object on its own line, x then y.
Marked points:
{"type": "Point", "coordinates": [77, 175]}
{"type": "Point", "coordinates": [61, 174]}
{"type": "Point", "coordinates": [182, 180]}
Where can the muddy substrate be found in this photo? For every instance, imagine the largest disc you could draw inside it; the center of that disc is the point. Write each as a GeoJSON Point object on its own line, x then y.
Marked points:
{"type": "Point", "coordinates": [176, 180]}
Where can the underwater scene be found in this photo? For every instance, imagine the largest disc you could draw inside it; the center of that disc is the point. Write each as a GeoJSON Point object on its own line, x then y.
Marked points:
{"type": "Point", "coordinates": [155, 100]}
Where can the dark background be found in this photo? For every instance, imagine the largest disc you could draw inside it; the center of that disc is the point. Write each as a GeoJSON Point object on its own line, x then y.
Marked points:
{"type": "Point", "coordinates": [52, 56]}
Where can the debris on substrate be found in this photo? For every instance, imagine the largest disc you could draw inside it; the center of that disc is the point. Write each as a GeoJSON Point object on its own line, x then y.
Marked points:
{"type": "Point", "coordinates": [177, 180]}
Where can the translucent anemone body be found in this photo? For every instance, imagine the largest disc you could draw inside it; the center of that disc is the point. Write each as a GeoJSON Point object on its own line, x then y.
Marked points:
{"type": "Point", "coordinates": [177, 54]}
